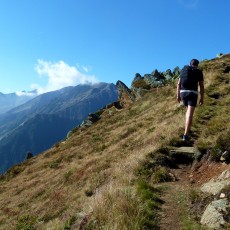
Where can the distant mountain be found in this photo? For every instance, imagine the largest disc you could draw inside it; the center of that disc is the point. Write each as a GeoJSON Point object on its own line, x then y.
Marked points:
{"type": "Point", "coordinates": [11, 100]}
{"type": "Point", "coordinates": [41, 122]}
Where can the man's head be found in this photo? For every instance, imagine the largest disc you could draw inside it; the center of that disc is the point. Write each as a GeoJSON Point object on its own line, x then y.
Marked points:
{"type": "Point", "coordinates": [194, 63]}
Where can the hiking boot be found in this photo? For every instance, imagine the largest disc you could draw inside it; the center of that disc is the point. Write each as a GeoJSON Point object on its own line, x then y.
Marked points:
{"type": "Point", "coordinates": [185, 138]}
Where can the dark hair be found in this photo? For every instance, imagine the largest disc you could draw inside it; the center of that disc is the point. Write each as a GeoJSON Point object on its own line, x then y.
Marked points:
{"type": "Point", "coordinates": [194, 62]}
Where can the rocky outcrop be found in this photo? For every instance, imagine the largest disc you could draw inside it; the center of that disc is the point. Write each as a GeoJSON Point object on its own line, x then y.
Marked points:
{"type": "Point", "coordinates": [125, 95]}
{"type": "Point", "coordinates": [168, 75]}
{"type": "Point", "coordinates": [137, 77]}
{"type": "Point", "coordinates": [139, 86]}
{"type": "Point", "coordinates": [144, 84]}
{"type": "Point", "coordinates": [155, 79]}
{"type": "Point", "coordinates": [176, 71]}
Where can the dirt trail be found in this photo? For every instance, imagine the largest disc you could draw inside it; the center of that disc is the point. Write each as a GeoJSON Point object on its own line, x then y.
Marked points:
{"type": "Point", "coordinates": [172, 211]}
{"type": "Point", "coordinates": [175, 210]}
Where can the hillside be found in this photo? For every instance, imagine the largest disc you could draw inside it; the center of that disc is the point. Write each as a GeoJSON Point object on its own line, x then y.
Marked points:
{"type": "Point", "coordinates": [41, 122]}
{"type": "Point", "coordinates": [113, 174]}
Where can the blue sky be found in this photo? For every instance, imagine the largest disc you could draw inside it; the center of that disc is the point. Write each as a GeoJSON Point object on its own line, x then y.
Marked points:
{"type": "Point", "coordinates": [50, 44]}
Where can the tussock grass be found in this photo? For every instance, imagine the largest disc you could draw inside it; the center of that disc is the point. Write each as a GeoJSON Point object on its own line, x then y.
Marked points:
{"type": "Point", "coordinates": [119, 208]}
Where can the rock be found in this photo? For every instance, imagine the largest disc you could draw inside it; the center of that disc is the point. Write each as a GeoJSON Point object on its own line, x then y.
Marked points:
{"type": "Point", "coordinates": [86, 123]}
{"type": "Point", "coordinates": [187, 154]}
{"type": "Point", "coordinates": [168, 77]}
{"type": "Point", "coordinates": [225, 156]}
{"type": "Point", "coordinates": [139, 86]}
{"type": "Point", "coordinates": [137, 78]}
{"type": "Point", "coordinates": [125, 95]}
{"type": "Point", "coordinates": [153, 81]}
{"type": "Point", "coordinates": [168, 72]}
{"type": "Point", "coordinates": [222, 195]}
{"type": "Point", "coordinates": [29, 155]}
{"type": "Point", "coordinates": [157, 75]}
{"type": "Point", "coordinates": [219, 55]}
{"type": "Point", "coordinates": [189, 150]}
{"type": "Point", "coordinates": [140, 92]}
{"type": "Point", "coordinates": [213, 216]}
{"type": "Point", "coordinates": [93, 117]}
{"type": "Point", "coordinates": [225, 175]}
{"type": "Point", "coordinates": [227, 69]}
{"type": "Point", "coordinates": [117, 105]}
{"type": "Point", "coordinates": [176, 71]}
{"type": "Point", "coordinates": [215, 185]}
{"type": "Point", "coordinates": [172, 177]}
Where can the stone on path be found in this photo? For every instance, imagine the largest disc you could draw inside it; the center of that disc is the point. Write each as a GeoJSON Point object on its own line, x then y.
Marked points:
{"type": "Point", "coordinates": [213, 216]}
{"type": "Point", "coordinates": [185, 154]}
{"type": "Point", "coordinates": [215, 185]}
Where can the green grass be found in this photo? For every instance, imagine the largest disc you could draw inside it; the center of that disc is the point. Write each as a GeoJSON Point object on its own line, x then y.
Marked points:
{"type": "Point", "coordinates": [150, 196]}
{"type": "Point", "coordinates": [26, 222]}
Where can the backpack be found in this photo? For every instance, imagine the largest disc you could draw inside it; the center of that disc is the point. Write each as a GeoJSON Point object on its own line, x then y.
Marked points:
{"type": "Point", "coordinates": [189, 78]}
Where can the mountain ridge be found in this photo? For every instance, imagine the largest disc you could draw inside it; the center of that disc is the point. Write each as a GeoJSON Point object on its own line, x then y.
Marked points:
{"type": "Point", "coordinates": [69, 105]}
{"type": "Point", "coordinates": [11, 100]}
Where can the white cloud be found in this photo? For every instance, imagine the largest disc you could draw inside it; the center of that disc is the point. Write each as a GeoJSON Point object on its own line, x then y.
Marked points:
{"type": "Point", "coordinates": [61, 75]}
{"type": "Point", "coordinates": [189, 3]}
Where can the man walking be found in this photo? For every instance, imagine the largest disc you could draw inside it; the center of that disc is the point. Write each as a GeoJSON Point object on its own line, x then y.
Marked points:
{"type": "Point", "coordinates": [187, 91]}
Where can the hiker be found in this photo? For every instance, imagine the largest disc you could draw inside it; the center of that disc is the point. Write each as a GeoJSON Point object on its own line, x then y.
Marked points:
{"type": "Point", "coordinates": [187, 91]}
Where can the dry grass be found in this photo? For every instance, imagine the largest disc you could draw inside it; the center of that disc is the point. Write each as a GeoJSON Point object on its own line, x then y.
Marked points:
{"type": "Point", "coordinates": [90, 180]}
{"type": "Point", "coordinates": [60, 183]}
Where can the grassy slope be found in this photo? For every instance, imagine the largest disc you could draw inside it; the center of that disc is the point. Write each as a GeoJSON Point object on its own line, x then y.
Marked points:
{"type": "Point", "coordinates": [91, 179]}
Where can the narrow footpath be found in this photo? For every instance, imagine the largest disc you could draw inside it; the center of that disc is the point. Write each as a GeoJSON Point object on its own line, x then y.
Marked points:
{"type": "Point", "coordinates": [175, 213]}
{"type": "Point", "coordinates": [174, 196]}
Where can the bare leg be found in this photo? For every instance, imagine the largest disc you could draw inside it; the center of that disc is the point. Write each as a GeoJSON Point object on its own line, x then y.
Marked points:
{"type": "Point", "coordinates": [188, 119]}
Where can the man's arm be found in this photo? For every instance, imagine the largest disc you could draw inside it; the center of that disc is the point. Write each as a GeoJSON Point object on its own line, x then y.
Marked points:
{"type": "Point", "coordinates": [201, 84]}
{"type": "Point", "coordinates": [178, 90]}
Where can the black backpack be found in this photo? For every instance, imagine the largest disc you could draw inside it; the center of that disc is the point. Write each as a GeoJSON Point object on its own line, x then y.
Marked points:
{"type": "Point", "coordinates": [189, 78]}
